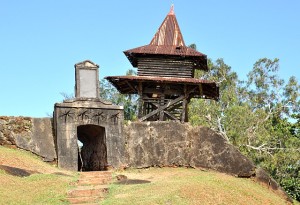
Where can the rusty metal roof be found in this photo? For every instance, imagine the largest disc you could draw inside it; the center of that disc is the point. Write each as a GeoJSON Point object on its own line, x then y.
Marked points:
{"type": "Point", "coordinates": [129, 84]}
{"type": "Point", "coordinates": [169, 33]}
{"type": "Point", "coordinates": [168, 40]}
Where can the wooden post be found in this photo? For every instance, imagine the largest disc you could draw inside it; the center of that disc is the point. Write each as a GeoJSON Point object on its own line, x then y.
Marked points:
{"type": "Point", "coordinates": [187, 109]}
{"type": "Point", "coordinates": [140, 93]}
{"type": "Point", "coordinates": [184, 105]}
{"type": "Point", "coordinates": [162, 102]}
{"type": "Point", "coordinates": [145, 107]}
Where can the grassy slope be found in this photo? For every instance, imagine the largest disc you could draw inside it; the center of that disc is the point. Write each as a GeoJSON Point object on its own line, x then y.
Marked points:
{"type": "Point", "coordinates": [168, 185]}
{"type": "Point", "coordinates": [45, 187]}
{"type": "Point", "coordinates": [189, 186]}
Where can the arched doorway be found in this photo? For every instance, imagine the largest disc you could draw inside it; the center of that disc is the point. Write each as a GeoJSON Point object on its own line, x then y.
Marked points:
{"type": "Point", "coordinates": [92, 156]}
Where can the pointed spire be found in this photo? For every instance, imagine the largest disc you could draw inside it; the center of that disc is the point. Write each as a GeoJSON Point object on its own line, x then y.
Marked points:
{"type": "Point", "coordinates": [171, 10]}
{"type": "Point", "coordinates": [168, 40]}
{"type": "Point", "coordinates": [168, 33]}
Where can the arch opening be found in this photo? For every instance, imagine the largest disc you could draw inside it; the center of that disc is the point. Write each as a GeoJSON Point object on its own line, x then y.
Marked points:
{"type": "Point", "coordinates": [92, 155]}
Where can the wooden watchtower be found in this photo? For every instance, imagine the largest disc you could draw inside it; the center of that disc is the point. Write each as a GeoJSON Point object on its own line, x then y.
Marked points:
{"type": "Point", "coordinates": [165, 79]}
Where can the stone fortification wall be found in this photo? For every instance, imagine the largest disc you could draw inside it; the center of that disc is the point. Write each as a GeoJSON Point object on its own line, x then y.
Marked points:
{"type": "Point", "coordinates": [147, 144]}
{"type": "Point", "coordinates": [32, 134]}
{"type": "Point", "coordinates": [173, 143]}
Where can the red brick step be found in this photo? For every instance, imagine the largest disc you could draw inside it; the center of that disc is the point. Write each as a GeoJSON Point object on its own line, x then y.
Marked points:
{"type": "Point", "coordinates": [91, 188]}
{"type": "Point", "coordinates": [100, 190]}
{"type": "Point", "coordinates": [93, 182]}
{"type": "Point", "coordinates": [83, 199]}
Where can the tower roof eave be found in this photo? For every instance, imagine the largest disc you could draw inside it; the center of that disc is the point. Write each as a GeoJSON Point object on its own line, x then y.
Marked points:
{"type": "Point", "coordinates": [199, 59]}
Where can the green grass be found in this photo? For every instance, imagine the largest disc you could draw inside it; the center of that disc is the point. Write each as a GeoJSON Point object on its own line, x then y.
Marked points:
{"type": "Point", "coordinates": [169, 186]}
{"type": "Point", "coordinates": [189, 186]}
{"type": "Point", "coordinates": [35, 189]}
{"type": "Point", "coordinates": [24, 159]}
{"type": "Point", "coordinates": [45, 187]}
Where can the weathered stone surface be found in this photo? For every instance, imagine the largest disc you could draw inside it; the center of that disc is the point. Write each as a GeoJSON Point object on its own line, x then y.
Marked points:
{"type": "Point", "coordinates": [11, 126]}
{"type": "Point", "coordinates": [263, 177]}
{"type": "Point", "coordinates": [211, 150]}
{"type": "Point", "coordinates": [171, 143]}
{"type": "Point", "coordinates": [32, 134]}
{"type": "Point", "coordinates": [41, 140]}
{"type": "Point", "coordinates": [152, 144]}
{"type": "Point", "coordinates": [99, 126]}
{"type": "Point", "coordinates": [43, 137]}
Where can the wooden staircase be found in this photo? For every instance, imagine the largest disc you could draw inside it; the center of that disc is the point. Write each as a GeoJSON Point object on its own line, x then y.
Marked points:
{"type": "Point", "coordinates": [91, 188]}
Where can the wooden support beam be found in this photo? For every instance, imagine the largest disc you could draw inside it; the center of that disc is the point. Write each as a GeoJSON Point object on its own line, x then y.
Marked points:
{"type": "Point", "coordinates": [200, 90]}
{"type": "Point", "coordinates": [161, 103]}
{"type": "Point", "coordinates": [168, 91]}
{"type": "Point", "coordinates": [184, 104]}
{"type": "Point", "coordinates": [172, 117]}
{"type": "Point", "coordinates": [130, 85]}
{"type": "Point", "coordinates": [154, 104]}
{"type": "Point", "coordinates": [176, 106]}
{"type": "Point", "coordinates": [140, 93]}
{"type": "Point", "coordinates": [161, 108]}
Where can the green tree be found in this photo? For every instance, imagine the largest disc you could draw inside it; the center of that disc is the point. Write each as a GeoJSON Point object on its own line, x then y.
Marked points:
{"type": "Point", "coordinates": [260, 116]}
{"type": "Point", "coordinates": [129, 102]}
{"type": "Point", "coordinates": [211, 113]}
{"type": "Point", "coordinates": [274, 142]}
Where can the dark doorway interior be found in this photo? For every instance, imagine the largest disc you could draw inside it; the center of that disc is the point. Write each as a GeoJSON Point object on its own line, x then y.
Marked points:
{"type": "Point", "coordinates": [93, 153]}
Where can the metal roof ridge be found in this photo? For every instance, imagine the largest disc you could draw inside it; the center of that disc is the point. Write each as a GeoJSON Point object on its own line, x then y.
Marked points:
{"type": "Point", "coordinates": [172, 10]}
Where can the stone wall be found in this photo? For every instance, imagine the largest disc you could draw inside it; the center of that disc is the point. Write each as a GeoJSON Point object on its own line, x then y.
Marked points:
{"type": "Point", "coordinates": [147, 144]}
{"type": "Point", "coordinates": [173, 143]}
{"type": "Point", "coordinates": [72, 114]}
{"type": "Point", "coordinates": [32, 134]}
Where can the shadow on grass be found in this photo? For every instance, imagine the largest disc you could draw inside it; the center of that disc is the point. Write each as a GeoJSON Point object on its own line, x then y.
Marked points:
{"type": "Point", "coordinates": [17, 171]}
{"type": "Point", "coordinates": [132, 181]}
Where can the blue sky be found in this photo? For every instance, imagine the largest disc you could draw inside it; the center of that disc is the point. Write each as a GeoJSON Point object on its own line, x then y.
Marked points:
{"type": "Point", "coordinates": [42, 40]}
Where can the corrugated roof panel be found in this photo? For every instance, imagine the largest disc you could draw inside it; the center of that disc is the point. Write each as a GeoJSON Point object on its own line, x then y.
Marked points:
{"type": "Point", "coordinates": [168, 40]}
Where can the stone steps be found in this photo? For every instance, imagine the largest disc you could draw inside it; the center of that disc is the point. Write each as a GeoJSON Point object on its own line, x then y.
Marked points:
{"type": "Point", "coordinates": [100, 190]}
{"type": "Point", "coordinates": [83, 200]}
{"type": "Point", "coordinates": [95, 173]}
{"type": "Point", "coordinates": [88, 204]}
{"type": "Point", "coordinates": [86, 182]}
{"type": "Point", "coordinates": [91, 188]}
